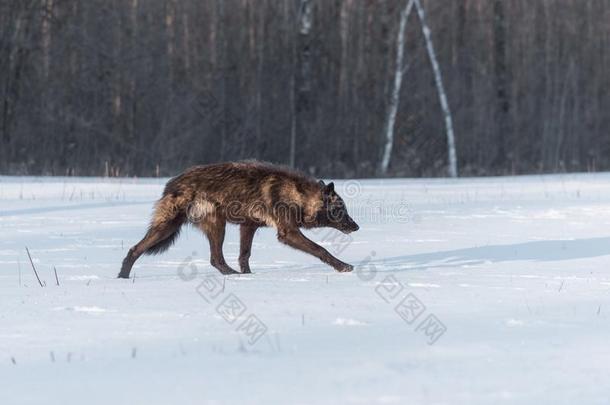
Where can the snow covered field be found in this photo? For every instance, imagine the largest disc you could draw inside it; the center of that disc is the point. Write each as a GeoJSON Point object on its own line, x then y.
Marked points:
{"type": "Point", "coordinates": [503, 284]}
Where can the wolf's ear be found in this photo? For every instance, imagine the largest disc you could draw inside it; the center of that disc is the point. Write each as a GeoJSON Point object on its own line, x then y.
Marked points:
{"type": "Point", "coordinates": [327, 189]}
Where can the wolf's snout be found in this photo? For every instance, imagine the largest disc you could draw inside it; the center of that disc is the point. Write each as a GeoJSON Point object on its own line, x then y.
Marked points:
{"type": "Point", "coordinates": [350, 226]}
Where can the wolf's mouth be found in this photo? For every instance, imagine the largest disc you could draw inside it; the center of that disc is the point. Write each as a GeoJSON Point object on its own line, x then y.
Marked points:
{"type": "Point", "coordinates": [349, 229]}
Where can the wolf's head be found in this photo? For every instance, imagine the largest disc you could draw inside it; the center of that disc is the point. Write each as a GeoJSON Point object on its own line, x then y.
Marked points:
{"type": "Point", "coordinates": [334, 212]}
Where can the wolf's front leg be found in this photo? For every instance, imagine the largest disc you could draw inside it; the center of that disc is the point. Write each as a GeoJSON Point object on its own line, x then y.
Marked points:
{"type": "Point", "coordinates": [294, 238]}
{"type": "Point", "coordinates": [246, 234]}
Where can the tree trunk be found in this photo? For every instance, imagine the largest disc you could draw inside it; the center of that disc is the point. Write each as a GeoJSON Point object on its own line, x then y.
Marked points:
{"type": "Point", "coordinates": [302, 82]}
{"type": "Point", "coordinates": [501, 86]}
{"type": "Point", "coordinates": [395, 95]}
{"type": "Point", "coordinates": [442, 95]}
{"type": "Point", "coordinates": [221, 50]}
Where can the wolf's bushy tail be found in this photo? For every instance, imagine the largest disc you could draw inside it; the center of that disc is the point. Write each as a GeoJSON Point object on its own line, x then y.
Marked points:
{"type": "Point", "coordinates": [169, 216]}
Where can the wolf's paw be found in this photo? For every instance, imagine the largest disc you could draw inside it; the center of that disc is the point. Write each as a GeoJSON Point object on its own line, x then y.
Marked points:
{"type": "Point", "coordinates": [227, 272]}
{"type": "Point", "coordinates": [346, 268]}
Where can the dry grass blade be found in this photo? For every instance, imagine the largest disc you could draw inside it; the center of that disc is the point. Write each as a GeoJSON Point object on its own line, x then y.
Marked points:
{"type": "Point", "coordinates": [33, 267]}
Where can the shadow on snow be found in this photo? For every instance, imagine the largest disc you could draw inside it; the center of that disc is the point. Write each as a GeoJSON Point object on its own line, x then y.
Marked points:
{"type": "Point", "coordinates": [541, 251]}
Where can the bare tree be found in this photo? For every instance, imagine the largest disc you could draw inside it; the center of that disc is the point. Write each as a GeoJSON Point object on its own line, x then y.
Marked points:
{"type": "Point", "coordinates": [395, 94]}
{"type": "Point", "coordinates": [501, 83]}
{"type": "Point", "coordinates": [302, 79]}
{"type": "Point", "coordinates": [442, 95]}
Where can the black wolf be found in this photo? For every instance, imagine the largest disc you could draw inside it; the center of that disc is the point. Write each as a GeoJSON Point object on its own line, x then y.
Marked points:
{"type": "Point", "coordinates": [251, 194]}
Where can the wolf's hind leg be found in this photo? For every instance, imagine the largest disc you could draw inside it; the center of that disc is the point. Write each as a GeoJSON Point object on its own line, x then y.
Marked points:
{"type": "Point", "coordinates": [214, 228]}
{"type": "Point", "coordinates": [154, 236]}
{"type": "Point", "coordinates": [246, 234]}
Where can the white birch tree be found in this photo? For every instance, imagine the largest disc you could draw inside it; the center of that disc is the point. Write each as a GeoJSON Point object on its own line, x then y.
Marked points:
{"type": "Point", "coordinates": [442, 95]}
{"type": "Point", "coordinates": [395, 95]}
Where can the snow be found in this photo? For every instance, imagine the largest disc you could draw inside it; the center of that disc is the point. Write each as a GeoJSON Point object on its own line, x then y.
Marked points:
{"type": "Point", "coordinates": [514, 270]}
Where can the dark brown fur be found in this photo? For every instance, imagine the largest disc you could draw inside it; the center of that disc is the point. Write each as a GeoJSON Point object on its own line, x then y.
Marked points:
{"type": "Point", "coordinates": [251, 194]}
